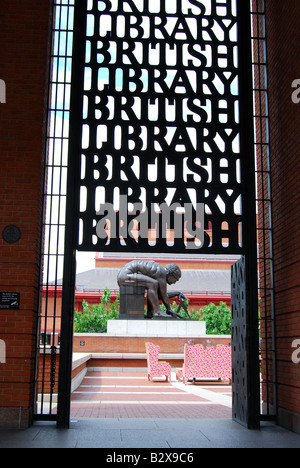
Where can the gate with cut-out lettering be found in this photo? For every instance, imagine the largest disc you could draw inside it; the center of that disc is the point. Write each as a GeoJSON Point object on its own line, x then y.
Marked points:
{"type": "Point", "coordinates": [160, 118]}
{"type": "Point", "coordinates": [161, 137]}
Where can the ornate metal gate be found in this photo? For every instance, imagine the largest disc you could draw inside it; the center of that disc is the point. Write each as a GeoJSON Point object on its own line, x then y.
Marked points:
{"type": "Point", "coordinates": [161, 136]}
{"type": "Point", "coordinates": [159, 117]}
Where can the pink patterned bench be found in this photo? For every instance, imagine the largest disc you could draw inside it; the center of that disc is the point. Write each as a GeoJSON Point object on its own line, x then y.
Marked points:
{"type": "Point", "coordinates": [156, 368]}
{"type": "Point", "coordinates": [205, 363]}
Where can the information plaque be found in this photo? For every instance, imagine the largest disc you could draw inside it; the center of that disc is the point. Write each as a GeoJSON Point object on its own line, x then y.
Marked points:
{"type": "Point", "coordinates": [10, 300]}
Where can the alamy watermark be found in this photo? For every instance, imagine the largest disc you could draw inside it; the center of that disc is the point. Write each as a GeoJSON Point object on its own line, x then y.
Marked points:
{"type": "Point", "coordinates": [2, 92]}
{"type": "Point", "coordinates": [296, 93]}
{"type": "Point", "coordinates": [296, 353]}
{"type": "Point", "coordinates": [2, 352]}
{"type": "Point", "coordinates": [163, 221]}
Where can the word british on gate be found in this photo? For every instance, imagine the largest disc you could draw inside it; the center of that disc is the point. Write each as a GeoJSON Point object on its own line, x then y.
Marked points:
{"type": "Point", "coordinates": [159, 6]}
{"type": "Point", "coordinates": [160, 114]}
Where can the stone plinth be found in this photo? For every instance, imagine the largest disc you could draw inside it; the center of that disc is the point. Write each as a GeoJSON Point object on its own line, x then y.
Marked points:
{"type": "Point", "coordinates": [156, 328]}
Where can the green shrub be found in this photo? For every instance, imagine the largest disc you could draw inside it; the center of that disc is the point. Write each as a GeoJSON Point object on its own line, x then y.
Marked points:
{"type": "Point", "coordinates": [94, 318]}
{"type": "Point", "coordinates": [217, 318]}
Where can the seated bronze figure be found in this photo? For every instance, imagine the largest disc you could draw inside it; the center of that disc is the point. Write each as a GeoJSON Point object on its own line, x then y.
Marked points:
{"type": "Point", "coordinates": [154, 278]}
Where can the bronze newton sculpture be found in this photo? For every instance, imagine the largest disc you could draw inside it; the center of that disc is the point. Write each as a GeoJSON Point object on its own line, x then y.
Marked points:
{"type": "Point", "coordinates": [140, 275]}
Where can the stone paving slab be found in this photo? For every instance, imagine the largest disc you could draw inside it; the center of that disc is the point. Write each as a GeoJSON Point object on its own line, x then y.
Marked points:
{"type": "Point", "coordinates": [131, 395]}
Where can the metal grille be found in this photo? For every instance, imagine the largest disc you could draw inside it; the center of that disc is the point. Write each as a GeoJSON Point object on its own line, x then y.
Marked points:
{"type": "Point", "coordinates": [264, 209]}
{"type": "Point", "coordinates": [160, 109]}
{"type": "Point", "coordinates": [55, 195]}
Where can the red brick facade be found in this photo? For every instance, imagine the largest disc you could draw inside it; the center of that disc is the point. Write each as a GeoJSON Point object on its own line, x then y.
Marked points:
{"type": "Point", "coordinates": [283, 35]}
{"type": "Point", "coordinates": [24, 45]}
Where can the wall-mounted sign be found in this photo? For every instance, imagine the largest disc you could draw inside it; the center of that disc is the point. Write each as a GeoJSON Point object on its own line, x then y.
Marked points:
{"type": "Point", "coordinates": [10, 300]}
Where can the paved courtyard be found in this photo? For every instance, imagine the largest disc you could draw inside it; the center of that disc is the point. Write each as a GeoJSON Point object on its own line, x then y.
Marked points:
{"type": "Point", "coordinates": [121, 410]}
{"type": "Point", "coordinates": [149, 435]}
{"type": "Point", "coordinates": [131, 395]}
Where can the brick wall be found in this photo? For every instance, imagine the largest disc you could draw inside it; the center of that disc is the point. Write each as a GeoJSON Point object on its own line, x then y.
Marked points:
{"type": "Point", "coordinates": [94, 343]}
{"type": "Point", "coordinates": [24, 45]}
{"type": "Point", "coordinates": [283, 33]}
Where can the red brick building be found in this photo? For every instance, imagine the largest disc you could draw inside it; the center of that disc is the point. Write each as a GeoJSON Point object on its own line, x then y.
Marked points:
{"type": "Point", "coordinates": [25, 44]}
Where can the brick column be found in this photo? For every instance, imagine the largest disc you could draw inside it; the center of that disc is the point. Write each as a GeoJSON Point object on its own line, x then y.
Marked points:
{"type": "Point", "coordinates": [283, 34]}
{"type": "Point", "coordinates": [24, 64]}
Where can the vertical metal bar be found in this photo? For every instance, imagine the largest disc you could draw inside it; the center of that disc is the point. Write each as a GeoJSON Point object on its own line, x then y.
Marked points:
{"type": "Point", "coordinates": [59, 96]}
{"type": "Point", "coordinates": [261, 116]}
{"type": "Point", "coordinates": [260, 143]}
{"type": "Point", "coordinates": [267, 221]}
{"type": "Point", "coordinates": [53, 317]}
{"type": "Point", "coordinates": [72, 229]}
{"type": "Point", "coordinates": [270, 241]}
{"type": "Point", "coordinates": [249, 230]}
{"type": "Point", "coordinates": [42, 332]}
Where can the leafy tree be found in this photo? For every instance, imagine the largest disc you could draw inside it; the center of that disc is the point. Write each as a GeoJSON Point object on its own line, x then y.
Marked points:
{"type": "Point", "coordinates": [217, 318]}
{"type": "Point", "coordinates": [94, 318]}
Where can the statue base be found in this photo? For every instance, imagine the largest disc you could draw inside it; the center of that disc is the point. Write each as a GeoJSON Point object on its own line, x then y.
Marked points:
{"type": "Point", "coordinates": [158, 327]}
{"type": "Point", "coordinates": [139, 317]}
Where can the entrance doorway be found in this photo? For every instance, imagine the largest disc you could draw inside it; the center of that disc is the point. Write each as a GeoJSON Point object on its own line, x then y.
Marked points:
{"type": "Point", "coordinates": [145, 157]}
{"type": "Point", "coordinates": [115, 381]}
